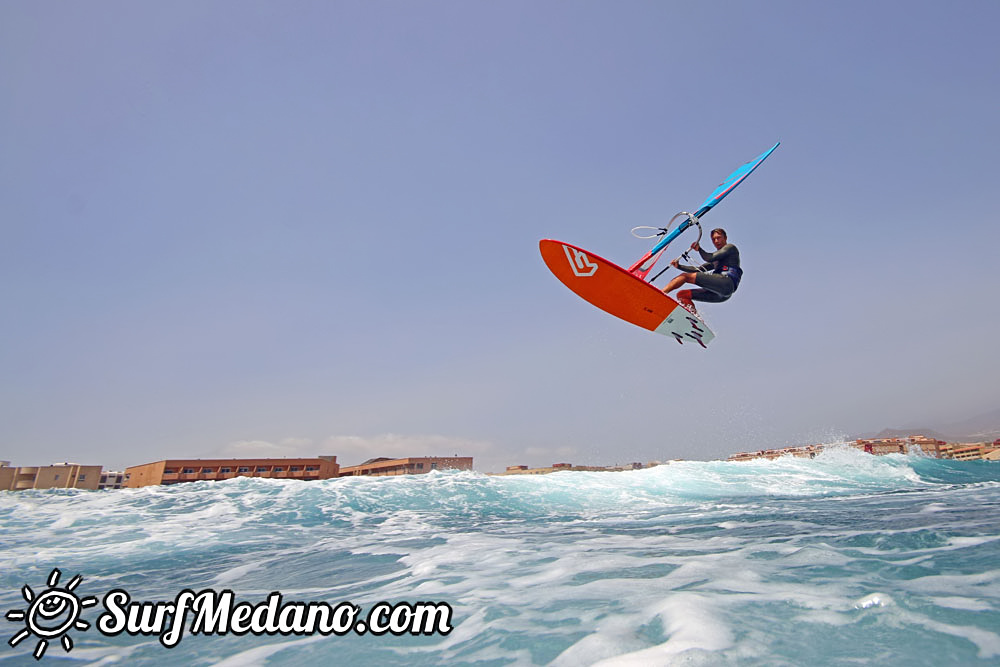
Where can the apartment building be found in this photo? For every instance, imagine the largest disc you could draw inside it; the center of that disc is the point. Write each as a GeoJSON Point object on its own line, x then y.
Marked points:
{"type": "Point", "coordinates": [558, 467]}
{"type": "Point", "coordinates": [382, 467]}
{"type": "Point", "coordinates": [112, 479]}
{"type": "Point", "coordinates": [805, 451]}
{"type": "Point", "coordinates": [928, 446]}
{"type": "Point", "coordinates": [970, 451]}
{"type": "Point", "coordinates": [56, 476]}
{"type": "Point", "coordinates": [175, 471]}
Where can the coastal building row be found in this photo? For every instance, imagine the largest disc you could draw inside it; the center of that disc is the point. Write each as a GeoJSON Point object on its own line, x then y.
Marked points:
{"type": "Point", "coordinates": [174, 471]}
{"type": "Point", "coordinates": [561, 467]}
{"type": "Point", "coordinates": [914, 444]}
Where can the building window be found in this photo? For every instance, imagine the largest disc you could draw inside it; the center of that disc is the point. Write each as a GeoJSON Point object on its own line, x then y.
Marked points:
{"type": "Point", "coordinates": [188, 471]}
{"type": "Point", "coordinates": [226, 470]}
{"type": "Point", "coordinates": [81, 478]}
{"type": "Point", "coordinates": [434, 466]}
{"type": "Point", "coordinates": [311, 468]}
{"type": "Point", "coordinates": [295, 469]}
{"type": "Point", "coordinates": [261, 468]}
{"type": "Point", "coordinates": [208, 469]}
{"type": "Point", "coordinates": [279, 469]}
{"type": "Point", "coordinates": [57, 476]}
{"type": "Point", "coordinates": [243, 469]}
{"type": "Point", "coordinates": [169, 471]}
{"type": "Point", "coordinates": [420, 466]}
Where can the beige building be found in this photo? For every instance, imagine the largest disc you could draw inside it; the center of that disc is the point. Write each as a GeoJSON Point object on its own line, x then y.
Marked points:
{"type": "Point", "coordinates": [880, 446]}
{"type": "Point", "coordinates": [56, 476]}
{"type": "Point", "coordinates": [414, 465]}
{"type": "Point", "coordinates": [805, 451]}
{"type": "Point", "coordinates": [112, 479]}
{"type": "Point", "coordinates": [972, 451]}
{"type": "Point", "coordinates": [559, 467]}
{"type": "Point", "coordinates": [175, 471]}
{"type": "Point", "coordinates": [909, 444]}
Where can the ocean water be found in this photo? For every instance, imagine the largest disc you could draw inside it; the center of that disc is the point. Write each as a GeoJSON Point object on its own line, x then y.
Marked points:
{"type": "Point", "coordinates": [843, 559]}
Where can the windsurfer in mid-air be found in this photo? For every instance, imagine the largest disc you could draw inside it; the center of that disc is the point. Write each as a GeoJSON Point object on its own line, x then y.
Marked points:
{"type": "Point", "coordinates": [718, 277]}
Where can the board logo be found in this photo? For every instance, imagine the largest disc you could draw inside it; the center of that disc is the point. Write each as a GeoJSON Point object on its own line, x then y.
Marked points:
{"type": "Point", "coordinates": [579, 262]}
{"type": "Point", "coordinates": [51, 614]}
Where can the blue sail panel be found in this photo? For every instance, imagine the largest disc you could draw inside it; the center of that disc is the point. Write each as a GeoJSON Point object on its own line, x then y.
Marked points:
{"type": "Point", "coordinates": [732, 181]}
{"type": "Point", "coordinates": [646, 262]}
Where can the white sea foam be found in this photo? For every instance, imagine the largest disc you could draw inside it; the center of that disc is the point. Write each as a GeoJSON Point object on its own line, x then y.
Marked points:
{"type": "Point", "coordinates": [693, 628]}
{"type": "Point", "coordinates": [258, 655]}
{"type": "Point", "coordinates": [765, 562]}
{"type": "Point", "coordinates": [987, 642]}
{"type": "Point", "coordinates": [967, 603]}
{"type": "Point", "coordinates": [873, 600]}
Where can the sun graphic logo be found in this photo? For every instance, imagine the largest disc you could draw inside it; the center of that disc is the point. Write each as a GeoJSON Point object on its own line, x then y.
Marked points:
{"type": "Point", "coordinates": [51, 614]}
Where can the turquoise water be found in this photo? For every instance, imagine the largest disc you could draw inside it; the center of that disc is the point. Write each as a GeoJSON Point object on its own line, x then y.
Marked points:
{"type": "Point", "coordinates": [844, 559]}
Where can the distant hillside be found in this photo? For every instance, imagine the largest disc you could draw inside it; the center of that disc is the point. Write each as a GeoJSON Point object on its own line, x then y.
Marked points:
{"type": "Point", "coordinates": [981, 427]}
{"type": "Point", "coordinates": [984, 427]}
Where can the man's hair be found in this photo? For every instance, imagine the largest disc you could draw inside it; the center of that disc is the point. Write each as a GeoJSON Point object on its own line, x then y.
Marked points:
{"type": "Point", "coordinates": [721, 231]}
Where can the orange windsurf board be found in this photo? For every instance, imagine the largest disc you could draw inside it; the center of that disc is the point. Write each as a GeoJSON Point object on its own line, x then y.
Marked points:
{"type": "Point", "coordinates": [622, 294]}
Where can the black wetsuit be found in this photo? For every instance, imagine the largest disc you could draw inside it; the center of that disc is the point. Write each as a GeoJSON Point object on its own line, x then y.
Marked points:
{"type": "Point", "coordinates": [718, 277]}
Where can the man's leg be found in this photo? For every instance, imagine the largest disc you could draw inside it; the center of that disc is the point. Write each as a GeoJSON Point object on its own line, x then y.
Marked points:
{"type": "Point", "coordinates": [678, 280]}
{"type": "Point", "coordinates": [684, 298]}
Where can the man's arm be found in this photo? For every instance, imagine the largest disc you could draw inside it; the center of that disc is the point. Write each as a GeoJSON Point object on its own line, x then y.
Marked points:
{"type": "Point", "coordinates": [694, 269]}
{"type": "Point", "coordinates": [720, 255]}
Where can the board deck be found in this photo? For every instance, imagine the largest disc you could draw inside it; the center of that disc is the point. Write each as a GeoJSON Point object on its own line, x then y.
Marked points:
{"type": "Point", "coordinates": [618, 292]}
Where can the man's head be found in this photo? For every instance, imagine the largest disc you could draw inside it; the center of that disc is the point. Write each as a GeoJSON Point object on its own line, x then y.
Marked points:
{"type": "Point", "coordinates": [719, 237]}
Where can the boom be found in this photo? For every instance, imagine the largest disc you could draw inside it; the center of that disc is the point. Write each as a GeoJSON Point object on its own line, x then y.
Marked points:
{"type": "Point", "coordinates": [642, 267]}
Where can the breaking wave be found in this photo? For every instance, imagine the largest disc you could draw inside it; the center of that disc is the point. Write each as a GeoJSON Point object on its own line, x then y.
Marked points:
{"type": "Point", "coordinates": [786, 561]}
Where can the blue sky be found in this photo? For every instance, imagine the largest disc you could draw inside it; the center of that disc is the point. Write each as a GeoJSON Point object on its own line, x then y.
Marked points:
{"type": "Point", "coordinates": [310, 227]}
